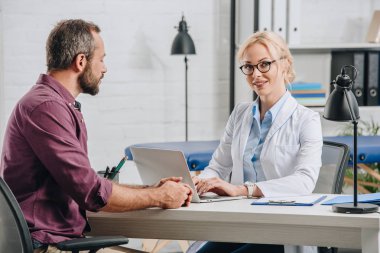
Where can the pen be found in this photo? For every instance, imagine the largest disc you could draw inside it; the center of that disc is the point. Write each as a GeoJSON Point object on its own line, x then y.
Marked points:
{"type": "Point", "coordinates": [107, 172]}
{"type": "Point", "coordinates": [118, 167]}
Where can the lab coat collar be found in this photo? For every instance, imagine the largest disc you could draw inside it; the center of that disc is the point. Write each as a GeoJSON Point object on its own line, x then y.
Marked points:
{"type": "Point", "coordinates": [284, 114]}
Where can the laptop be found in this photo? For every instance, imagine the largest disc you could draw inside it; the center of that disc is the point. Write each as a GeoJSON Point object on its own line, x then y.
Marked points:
{"type": "Point", "coordinates": [155, 164]}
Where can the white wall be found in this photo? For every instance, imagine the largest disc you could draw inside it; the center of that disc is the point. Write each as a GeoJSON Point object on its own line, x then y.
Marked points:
{"type": "Point", "coordinates": [142, 95]}
{"type": "Point", "coordinates": [335, 20]}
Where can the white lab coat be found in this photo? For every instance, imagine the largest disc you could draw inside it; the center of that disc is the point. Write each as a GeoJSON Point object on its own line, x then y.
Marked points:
{"type": "Point", "coordinates": [290, 158]}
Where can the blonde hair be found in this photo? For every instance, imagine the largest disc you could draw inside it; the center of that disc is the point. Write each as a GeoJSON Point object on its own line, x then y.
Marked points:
{"type": "Point", "coordinates": [277, 49]}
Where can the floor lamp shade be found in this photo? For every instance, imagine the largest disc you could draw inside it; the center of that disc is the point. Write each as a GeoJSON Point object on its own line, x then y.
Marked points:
{"type": "Point", "coordinates": [342, 105]}
{"type": "Point", "coordinates": [183, 45]}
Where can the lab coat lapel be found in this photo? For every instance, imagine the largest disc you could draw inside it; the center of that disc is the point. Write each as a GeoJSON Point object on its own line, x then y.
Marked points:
{"type": "Point", "coordinates": [283, 115]}
{"type": "Point", "coordinates": [245, 129]}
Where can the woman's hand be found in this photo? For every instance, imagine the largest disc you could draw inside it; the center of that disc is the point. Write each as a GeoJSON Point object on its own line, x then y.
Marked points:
{"type": "Point", "coordinates": [218, 186]}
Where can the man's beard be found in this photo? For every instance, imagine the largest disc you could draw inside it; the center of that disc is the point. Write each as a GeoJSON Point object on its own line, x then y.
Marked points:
{"type": "Point", "coordinates": [88, 82]}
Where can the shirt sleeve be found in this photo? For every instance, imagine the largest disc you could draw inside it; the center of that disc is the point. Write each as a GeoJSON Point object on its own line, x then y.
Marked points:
{"type": "Point", "coordinates": [51, 132]}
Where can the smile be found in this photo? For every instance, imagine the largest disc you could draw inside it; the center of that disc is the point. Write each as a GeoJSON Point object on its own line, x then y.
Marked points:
{"type": "Point", "coordinates": [260, 84]}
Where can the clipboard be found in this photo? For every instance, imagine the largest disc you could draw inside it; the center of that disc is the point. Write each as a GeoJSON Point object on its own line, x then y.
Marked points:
{"type": "Point", "coordinates": [307, 200]}
{"type": "Point", "coordinates": [372, 198]}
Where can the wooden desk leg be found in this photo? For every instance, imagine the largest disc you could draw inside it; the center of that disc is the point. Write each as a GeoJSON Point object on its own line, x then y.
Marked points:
{"type": "Point", "coordinates": [149, 244]}
{"type": "Point", "coordinates": [154, 245]}
{"type": "Point", "coordinates": [370, 241]}
{"type": "Point", "coordinates": [184, 245]}
{"type": "Point", "coordinates": [160, 244]}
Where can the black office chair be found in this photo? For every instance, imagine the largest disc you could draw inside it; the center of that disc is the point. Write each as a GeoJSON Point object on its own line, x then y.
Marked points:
{"type": "Point", "coordinates": [15, 236]}
{"type": "Point", "coordinates": [335, 158]}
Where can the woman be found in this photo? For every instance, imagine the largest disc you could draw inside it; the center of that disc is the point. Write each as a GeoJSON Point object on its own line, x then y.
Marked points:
{"type": "Point", "coordinates": [273, 144]}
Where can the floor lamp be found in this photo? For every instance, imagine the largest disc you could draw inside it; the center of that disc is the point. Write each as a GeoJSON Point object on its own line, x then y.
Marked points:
{"type": "Point", "coordinates": [341, 105]}
{"type": "Point", "coordinates": [184, 45]}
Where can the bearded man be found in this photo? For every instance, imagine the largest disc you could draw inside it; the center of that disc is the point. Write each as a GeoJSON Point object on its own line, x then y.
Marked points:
{"type": "Point", "coordinates": [44, 158]}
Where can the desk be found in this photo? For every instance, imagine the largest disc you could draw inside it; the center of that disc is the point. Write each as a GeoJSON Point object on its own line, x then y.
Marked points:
{"type": "Point", "coordinates": [238, 221]}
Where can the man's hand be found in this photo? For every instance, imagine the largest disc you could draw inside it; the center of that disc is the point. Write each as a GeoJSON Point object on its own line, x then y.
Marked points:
{"type": "Point", "coordinates": [163, 180]}
{"type": "Point", "coordinates": [174, 194]}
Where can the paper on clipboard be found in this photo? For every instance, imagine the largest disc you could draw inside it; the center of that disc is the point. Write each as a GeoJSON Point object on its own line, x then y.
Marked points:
{"type": "Point", "coordinates": [305, 200]}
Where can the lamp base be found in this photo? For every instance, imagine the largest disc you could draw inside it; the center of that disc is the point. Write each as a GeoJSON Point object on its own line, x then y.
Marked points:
{"type": "Point", "coordinates": [350, 208]}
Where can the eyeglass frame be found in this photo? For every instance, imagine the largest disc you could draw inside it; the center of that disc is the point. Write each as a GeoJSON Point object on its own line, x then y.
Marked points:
{"type": "Point", "coordinates": [256, 66]}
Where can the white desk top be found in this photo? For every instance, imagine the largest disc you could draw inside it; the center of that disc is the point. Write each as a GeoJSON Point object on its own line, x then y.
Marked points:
{"type": "Point", "coordinates": [237, 221]}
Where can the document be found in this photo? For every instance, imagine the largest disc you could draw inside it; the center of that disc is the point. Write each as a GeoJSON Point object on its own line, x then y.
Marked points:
{"type": "Point", "coordinates": [294, 20]}
{"type": "Point", "coordinates": [265, 15]}
{"type": "Point", "coordinates": [306, 200]}
{"type": "Point", "coordinates": [358, 59]}
{"type": "Point", "coordinates": [373, 198]}
{"type": "Point", "coordinates": [373, 81]}
{"type": "Point", "coordinates": [279, 16]}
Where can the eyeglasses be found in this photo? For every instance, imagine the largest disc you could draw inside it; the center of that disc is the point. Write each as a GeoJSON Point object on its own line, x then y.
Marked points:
{"type": "Point", "coordinates": [263, 67]}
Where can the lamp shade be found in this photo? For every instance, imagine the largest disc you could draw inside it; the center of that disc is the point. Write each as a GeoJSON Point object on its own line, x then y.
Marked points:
{"type": "Point", "coordinates": [338, 104]}
{"type": "Point", "coordinates": [183, 44]}
{"type": "Point", "coordinates": [342, 104]}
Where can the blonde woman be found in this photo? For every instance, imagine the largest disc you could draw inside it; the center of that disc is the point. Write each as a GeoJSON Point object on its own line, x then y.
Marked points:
{"type": "Point", "coordinates": [270, 147]}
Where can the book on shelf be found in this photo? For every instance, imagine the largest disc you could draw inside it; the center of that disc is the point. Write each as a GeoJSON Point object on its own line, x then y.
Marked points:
{"type": "Point", "coordinates": [305, 86]}
{"type": "Point", "coordinates": [308, 94]}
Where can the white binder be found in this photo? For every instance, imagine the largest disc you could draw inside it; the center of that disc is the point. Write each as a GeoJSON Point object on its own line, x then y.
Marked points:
{"type": "Point", "coordinates": [279, 17]}
{"type": "Point", "coordinates": [265, 15]}
{"type": "Point", "coordinates": [294, 21]}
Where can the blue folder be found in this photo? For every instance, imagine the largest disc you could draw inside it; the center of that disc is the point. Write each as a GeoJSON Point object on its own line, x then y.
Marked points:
{"type": "Point", "coordinates": [290, 201]}
{"type": "Point", "coordinates": [373, 198]}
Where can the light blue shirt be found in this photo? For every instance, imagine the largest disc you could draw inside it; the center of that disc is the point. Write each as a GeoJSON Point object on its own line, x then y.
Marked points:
{"type": "Point", "coordinates": [253, 170]}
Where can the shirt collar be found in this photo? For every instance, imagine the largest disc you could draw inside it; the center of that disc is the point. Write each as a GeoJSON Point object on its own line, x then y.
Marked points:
{"type": "Point", "coordinates": [58, 87]}
{"type": "Point", "coordinates": [273, 111]}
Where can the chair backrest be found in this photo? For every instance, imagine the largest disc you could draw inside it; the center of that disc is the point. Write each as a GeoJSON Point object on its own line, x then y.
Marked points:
{"type": "Point", "coordinates": [335, 158]}
{"type": "Point", "coordinates": [14, 232]}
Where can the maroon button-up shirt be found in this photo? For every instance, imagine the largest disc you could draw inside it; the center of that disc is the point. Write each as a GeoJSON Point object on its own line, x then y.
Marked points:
{"type": "Point", "coordinates": [44, 161]}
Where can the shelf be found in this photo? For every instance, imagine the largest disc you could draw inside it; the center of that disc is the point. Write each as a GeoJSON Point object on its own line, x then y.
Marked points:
{"type": "Point", "coordinates": [364, 109]}
{"type": "Point", "coordinates": [328, 47]}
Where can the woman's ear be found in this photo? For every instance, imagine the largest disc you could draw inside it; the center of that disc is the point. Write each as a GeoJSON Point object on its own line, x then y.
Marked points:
{"type": "Point", "coordinates": [80, 62]}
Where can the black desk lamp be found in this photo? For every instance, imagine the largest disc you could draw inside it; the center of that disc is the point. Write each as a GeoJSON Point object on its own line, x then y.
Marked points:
{"type": "Point", "coordinates": [183, 44]}
{"type": "Point", "coordinates": [341, 105]}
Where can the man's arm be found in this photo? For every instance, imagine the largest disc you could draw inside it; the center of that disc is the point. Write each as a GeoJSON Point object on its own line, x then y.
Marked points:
{"type": "Point", "coordinates": [168, 195]}
{"type": "Point", "coordinates": [158, 184]}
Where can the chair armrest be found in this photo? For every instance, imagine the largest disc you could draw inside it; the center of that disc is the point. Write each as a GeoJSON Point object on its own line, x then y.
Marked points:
{"type": "Point", "coordinates": [92, 243]}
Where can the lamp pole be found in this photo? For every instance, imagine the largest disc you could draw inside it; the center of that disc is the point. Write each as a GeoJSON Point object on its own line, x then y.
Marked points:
{"type": "Point", "coordinates": [186, 117]}
{"type": "Point", "coordinates": [184, 45]}
{"type": "Point", "coordinates": [354, 159]}
{"type": "Point", "coordinates": [355, 122]}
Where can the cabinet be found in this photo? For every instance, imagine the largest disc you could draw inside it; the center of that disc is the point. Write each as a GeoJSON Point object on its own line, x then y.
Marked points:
{"type": "Point", "coordinates": [312, 63]}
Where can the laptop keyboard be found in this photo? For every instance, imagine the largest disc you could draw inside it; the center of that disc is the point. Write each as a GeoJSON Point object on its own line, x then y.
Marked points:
{"type": "Point", "coordinates": [211, 197]}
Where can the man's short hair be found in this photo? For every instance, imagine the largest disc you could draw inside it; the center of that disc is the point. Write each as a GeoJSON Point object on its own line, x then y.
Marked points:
{"type": "Point", "coordinates": [68, 39]}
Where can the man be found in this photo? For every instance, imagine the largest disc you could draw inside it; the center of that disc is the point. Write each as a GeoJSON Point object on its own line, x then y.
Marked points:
{"type": "Point", "coordinates": [44, 158]}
